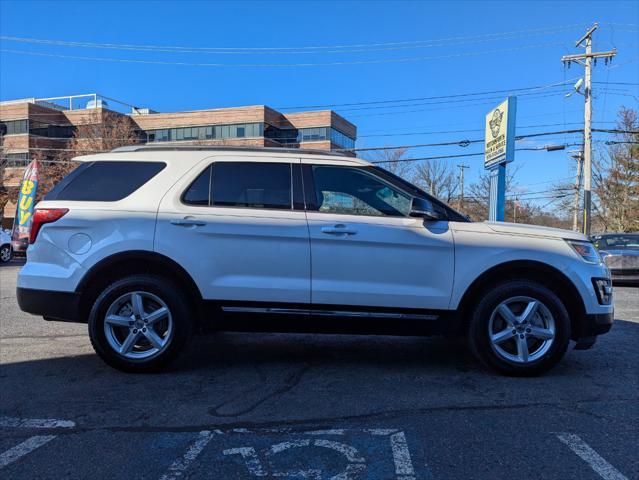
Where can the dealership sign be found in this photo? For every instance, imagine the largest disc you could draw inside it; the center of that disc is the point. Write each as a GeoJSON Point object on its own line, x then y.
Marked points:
{"type": "Point", "coordinates": [499, 144]}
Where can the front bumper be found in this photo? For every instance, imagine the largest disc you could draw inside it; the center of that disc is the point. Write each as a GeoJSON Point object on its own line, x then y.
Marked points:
{"type": "Point", "coordinates": [590, 326]}
{"type": "Point", "coordinates": [52, 305]}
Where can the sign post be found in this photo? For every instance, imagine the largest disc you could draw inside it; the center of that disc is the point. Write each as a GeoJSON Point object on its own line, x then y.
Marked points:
{"type": "Point", "coordinates": [499, 149]}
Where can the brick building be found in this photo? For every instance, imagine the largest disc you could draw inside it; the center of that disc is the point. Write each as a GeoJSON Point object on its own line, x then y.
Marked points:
{"type": "Point", "coordinates": [47, 125]}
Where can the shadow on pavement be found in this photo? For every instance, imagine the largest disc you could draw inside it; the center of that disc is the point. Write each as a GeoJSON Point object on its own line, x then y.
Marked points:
{"type": "Point", "coordinates": [275, 378]}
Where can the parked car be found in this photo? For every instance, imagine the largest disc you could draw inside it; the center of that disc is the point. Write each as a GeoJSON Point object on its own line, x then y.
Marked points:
{"type": "Point", "coordinates": [620, 252]}
{"type": "Point", "coordinates": [5, 246]}
{"type": "Point", "coordinates": [147, 244]}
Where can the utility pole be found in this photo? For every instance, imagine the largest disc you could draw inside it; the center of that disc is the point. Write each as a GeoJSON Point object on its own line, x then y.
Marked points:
{"type": "Point", "coordinates": [579, 157]}
{"type": "Point", "coordinates": [462, 167]}
{"type": "Point", "coordinates": [586, 60]}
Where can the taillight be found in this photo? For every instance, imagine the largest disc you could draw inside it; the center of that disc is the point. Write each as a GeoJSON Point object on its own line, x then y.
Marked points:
{"type": "Point", "coordinates": [42, 216]}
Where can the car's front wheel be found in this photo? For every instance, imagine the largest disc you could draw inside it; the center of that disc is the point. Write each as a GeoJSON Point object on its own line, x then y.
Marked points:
{"type": "Point", "coordinates": [139, 323]}
{"type": "Point", "coordinates": [519, 328]}
{"type": "Point", "coordinates": [5, 253]}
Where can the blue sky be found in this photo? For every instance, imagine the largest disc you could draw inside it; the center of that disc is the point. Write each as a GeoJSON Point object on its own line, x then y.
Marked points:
{"type": "Point", "coordinates": [466, 47]}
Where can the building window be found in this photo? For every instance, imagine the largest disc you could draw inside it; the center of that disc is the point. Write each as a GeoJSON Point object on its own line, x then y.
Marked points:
{"type": "Point", "coordinates": [341, 140]}
{"type": "Point", "coordinates": [242, 130]}
{"type": "Point", "coordinates": [42, 129]}
{"type": "Point", "coordinates": [15, 127]}
{"type": "Point", "coordinates": [17, 159]}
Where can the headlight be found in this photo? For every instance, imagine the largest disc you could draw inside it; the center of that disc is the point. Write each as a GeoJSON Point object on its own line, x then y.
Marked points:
{"type": "Point", "coordinates": [585, 250]}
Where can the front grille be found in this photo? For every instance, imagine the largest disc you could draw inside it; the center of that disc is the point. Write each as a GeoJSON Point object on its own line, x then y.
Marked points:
{"type": "Point", "coordinates": [625, 271]}
{"type": "Point", "coordinates": [622, 262]}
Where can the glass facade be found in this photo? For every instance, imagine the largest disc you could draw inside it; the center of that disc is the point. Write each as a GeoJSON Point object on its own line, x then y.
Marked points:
{"type": "Point", "coordinates": [17, 127]}
{"type": "Point", "coordinates": [312, 134]}
{"type": "Point", "coordinates": [251, 130]}
{"type": "Point", "coordinates": [338, 138]}
{"type": "Point", "coordinates": [211, 132]}
{"type": "Point", "coordinates": [47, 130]}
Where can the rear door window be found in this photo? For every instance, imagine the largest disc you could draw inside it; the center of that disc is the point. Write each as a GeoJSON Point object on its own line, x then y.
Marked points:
{"type": "Point", "coordinates": [252, 185]}
{"type": "Point", "coordinates": [104, 181]}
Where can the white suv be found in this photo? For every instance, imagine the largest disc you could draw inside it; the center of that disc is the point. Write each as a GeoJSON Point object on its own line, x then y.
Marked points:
{"type": "Point", "coordinates": [147, 244]}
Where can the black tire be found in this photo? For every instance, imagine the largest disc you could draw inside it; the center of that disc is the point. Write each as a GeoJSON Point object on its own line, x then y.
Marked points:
{"type": "Point", "coordinates": [490, 300]}
{"type": "Point", "coordinates": [5, 253]}
{"type": "Point", "coordinates": [180, 312]}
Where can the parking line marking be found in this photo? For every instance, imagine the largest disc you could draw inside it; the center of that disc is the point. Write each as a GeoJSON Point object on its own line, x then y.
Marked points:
{"type": "Point", "coordinates": [35, 422]}
{"type": "Point", "coordinates": [592, 458]}
{"type": "Point", "coordinates": [22, 449]}
{"type": "Point", "coordinates": [179, 466]}
{"type": "Point", "coordinates": [401, 456]}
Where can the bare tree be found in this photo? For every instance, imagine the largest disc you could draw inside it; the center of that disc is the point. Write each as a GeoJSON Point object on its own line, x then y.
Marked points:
{"type": "Point", "coordinates": [110, 131]}
{"type": "Point", "coordinates": [438, 177]}
{"type": "Point", "coordinates": [477, 201]}
{"type": "Point", "coordinates": [392, 161]}
{"type": "Point", "coordinates": [6, 193]}
{"type": "Point", "coordinates": [616, 178]}
{"type": "Point", "coordinates": [99, 134]}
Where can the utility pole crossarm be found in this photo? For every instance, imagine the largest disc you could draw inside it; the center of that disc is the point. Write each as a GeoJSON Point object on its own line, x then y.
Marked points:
{"type": "Point", "coordinates": [584, 56]}
{"type": "Point", "coordinates": [588, 34]}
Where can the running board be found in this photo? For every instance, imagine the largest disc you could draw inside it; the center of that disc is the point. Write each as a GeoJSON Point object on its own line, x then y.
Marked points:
{"type": "Point", "coordinates": [329, 313]}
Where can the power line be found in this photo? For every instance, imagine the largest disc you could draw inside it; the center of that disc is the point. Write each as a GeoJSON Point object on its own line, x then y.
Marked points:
{"type": "Point", "coordinates": [465, 142]}
{"type": "Point", "coordinates": [254, 50]}
{"type": "Point", "coordinates": [437, 97]}
{"type": "Point", "coordinates": [462, 142]}
{"type": "Point", "coordinates": [278, 65]}
{"type": "Point", "coordinates": [401, 134]}
{"type": "Point", "coordinates": [491, 102]}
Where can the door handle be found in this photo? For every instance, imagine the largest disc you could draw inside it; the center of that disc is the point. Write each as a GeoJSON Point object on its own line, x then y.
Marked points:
{"type": "Point", "coordinates": [339, 229]}
{"type": "Point", "coordinates": [188, 222]}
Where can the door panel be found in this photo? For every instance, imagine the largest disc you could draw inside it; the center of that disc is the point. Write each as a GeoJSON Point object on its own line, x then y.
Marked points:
{"type": "Point", "coordinates": [239, 254]}
{"type": "Point", "coordinates": [366, 250]}
{"type": "Point", "coordinates": [386, 262]}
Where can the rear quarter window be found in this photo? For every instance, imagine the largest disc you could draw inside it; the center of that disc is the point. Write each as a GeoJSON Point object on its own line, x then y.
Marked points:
{"type": "Point", "coordinates": [104, 181]}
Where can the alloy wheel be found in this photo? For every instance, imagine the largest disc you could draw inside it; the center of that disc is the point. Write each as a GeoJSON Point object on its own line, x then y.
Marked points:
{"type": "Point", "coordinates": [138, 325]}
{"type": "Point", "coordinates": [521, 329]}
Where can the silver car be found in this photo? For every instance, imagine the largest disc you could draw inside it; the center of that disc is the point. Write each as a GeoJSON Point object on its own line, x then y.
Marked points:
{"type": "Point", "coordinates": [620, 252]}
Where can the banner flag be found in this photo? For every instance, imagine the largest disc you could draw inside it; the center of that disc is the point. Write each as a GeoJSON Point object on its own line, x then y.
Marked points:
{"type": "Point", "coordinates": [25, 207]}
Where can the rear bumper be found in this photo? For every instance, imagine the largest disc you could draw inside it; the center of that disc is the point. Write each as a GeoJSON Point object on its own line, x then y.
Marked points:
{"type": "Point", "coordinates": [52, 305]}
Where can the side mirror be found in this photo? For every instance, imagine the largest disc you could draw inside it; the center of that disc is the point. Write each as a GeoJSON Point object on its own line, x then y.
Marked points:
{"type": "Point", "coordinates": [424, 209]}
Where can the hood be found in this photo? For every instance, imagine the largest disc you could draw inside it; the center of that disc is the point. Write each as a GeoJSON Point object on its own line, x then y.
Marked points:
{"type": "Point", "coordinates": [534, 230]}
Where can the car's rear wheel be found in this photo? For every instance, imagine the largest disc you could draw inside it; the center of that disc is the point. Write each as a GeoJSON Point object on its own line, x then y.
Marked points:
{"type": "Point", "coordinates": [5, 253]}
{"type": "Point", "coordinates": [519, 328]}
{"type": "Point", "coordinates": [139, 323]}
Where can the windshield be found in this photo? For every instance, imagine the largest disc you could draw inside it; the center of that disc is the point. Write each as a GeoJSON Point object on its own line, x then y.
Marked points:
{"type": "Point", "coordinates": [618, 242]}
{"type": "Point", "coordinates": [452, 214]}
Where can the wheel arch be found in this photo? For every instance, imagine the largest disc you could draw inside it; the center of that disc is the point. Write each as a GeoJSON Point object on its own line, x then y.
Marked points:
{"type": "Point", "coordinates": [116, 266]}
{"type": "Point", "coordinates": [546, 274]}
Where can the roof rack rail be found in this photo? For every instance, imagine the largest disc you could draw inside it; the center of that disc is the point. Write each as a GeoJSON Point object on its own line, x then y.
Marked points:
{"type": "Point", "coordinates": [152, 148]}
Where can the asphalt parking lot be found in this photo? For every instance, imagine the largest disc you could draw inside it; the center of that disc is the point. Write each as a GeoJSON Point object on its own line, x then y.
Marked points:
{"type": "Point", "coordinates": [242, 406]}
